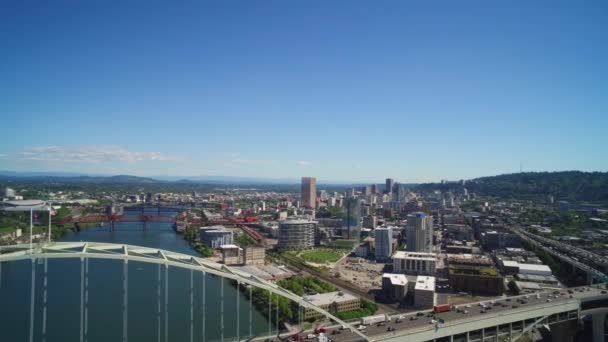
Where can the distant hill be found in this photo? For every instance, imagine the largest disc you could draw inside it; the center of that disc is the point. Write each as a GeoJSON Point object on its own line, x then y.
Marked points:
{"type": "Point", "coordinates": [574, 186]}
{"type": "Point", "coordinates": [76, 178]}
{"type": "Point", "coordinates": [69, 177]}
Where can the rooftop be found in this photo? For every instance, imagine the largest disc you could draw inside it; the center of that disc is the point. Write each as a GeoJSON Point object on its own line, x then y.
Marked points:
{"type": "Point", "coordinates": [425, 283]}
{"type": "Point", "coordinates": [328, 298]}
{"type": "Point", "coordinates": [396, 279]}
{"type": "Point", "coordinates": [414, 255]}
{"type": "Point", "coordinates": [229, 246]}
{"type": "Point", "coordinates": [534, 267]}
{"type": "Point", "coordinates": [484, 271]}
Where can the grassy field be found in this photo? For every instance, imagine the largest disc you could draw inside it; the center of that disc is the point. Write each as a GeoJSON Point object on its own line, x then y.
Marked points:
{"type": "Point", "coordinates": [322, 255]}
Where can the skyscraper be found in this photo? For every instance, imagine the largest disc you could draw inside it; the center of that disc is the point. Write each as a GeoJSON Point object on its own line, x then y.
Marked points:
{"type": "Point", "coordinates": [384, 242]}
{"type": "Point", "coordinates": [309, 192]}
{"type": "Point", "coordinates": [374, 188]}
{"type": "Point", "coordinates": [419, 232]}
{"type": "Point", "coordinates": [389, 185]}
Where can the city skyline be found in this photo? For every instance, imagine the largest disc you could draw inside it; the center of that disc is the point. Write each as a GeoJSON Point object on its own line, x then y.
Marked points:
{"type": "Point", "coordinates": [414, 91]}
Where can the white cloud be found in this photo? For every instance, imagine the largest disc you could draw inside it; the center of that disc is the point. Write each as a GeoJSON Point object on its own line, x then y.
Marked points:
{"type": "Point", "coordinates": [304, 163]}
{"type": "Point", "coordinates": [88, 154]}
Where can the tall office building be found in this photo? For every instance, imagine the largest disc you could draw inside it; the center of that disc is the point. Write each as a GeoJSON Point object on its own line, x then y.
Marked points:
{"type": "Point", "coordinates": [309, 192]}
{"type": "Point", "coordinates": [389, 185]}
{"type": "Point", "coordinates": [374, 189]}
{"type": "Point", "coordinates": [419, 232]}
{"type": "Point", "coordinates": [384, 242]}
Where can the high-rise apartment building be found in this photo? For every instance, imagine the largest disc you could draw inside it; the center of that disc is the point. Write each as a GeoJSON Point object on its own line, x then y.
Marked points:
{"type": "Point", "coordinates": [297, 234]}
{"type": "Point", "coordinates": [419, 232]}
{"type": "Point", "coordinates": [309, 192]}
{"type": "Point", "coordinates": [384, 242]}
{"type": "Point", "coordinates": [389, 185]}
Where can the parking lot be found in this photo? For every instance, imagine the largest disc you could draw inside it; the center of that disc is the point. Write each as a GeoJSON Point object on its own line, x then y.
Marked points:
{"type": "Point", "coordinates": [365, 274]}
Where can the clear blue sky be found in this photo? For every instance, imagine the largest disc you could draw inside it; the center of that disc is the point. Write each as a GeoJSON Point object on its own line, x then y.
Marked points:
{"type": "Point", "coordinates": [341, 90]}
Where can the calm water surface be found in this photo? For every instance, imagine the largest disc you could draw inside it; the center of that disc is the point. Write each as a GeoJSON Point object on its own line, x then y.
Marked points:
{"type": "Point", "coordinates": [104, 318]}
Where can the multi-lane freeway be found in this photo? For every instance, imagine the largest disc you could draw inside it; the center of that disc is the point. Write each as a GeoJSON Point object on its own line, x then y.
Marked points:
{"type": "Point", "coordinates": [577, 257]}
{"type": "Point", "coordinates": [427, 320]}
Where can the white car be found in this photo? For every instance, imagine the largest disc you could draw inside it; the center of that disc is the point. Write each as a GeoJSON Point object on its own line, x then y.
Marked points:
{"type": "Point", "coordinates": [311, 336]}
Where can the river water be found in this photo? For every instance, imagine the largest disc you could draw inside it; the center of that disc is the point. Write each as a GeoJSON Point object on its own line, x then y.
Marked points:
{"type": "Point", "coordinates": [103, 318]}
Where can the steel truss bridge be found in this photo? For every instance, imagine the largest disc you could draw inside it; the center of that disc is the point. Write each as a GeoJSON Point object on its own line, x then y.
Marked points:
{"type": "Point", "coordinates": [508, 324]}
{"type": "Point", "coordinates": [89, 250]}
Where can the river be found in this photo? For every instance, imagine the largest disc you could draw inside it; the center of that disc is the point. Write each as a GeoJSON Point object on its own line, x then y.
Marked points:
{"type": "Point", "coordinates": [104, 312]}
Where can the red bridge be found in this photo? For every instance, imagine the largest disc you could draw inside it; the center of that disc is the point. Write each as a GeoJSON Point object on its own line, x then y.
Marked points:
{"type": "Point", "coordinates": [99, 218]}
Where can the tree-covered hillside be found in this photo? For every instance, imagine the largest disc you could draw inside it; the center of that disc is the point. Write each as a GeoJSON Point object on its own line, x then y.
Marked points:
{"type": "Point", "coordinates": [575, 186]}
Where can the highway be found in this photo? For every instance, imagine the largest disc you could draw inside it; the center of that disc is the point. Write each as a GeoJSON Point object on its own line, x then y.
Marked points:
{"type": "Point", "coordinates": [556, 246]}
{"type": "Point", "coordinates": [426, 320]}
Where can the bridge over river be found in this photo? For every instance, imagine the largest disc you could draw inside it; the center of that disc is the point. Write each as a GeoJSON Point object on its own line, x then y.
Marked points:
{"type": "Point", "coordinates": [194, 312]}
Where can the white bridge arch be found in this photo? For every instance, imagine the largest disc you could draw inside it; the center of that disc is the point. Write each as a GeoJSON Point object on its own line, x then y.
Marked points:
{"type": "Point", "coordinates": [95, 250]}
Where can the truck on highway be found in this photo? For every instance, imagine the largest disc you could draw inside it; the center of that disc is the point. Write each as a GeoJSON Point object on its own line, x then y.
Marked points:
{"type": "Point", "coordinates": [442, 308]}
{"type": "Point", "coordinates": [374, 319]}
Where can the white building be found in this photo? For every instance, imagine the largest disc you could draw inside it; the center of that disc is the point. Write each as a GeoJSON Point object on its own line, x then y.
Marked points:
{"type": "Point", "coordinates": [215, 236]}
{"type": "Point", "coordinates": [415, 263]}
{"type": "Point", "coordinates": [384, 242]}
{"type": "Point", "coordinates": [394, 286]}
{"type": "Point", "coordinates": [419, 232]}
{"type": "Point", "coordinates": [533, 269]}
{"type": "Point", "coordinates": [424, 292]}
{"type": "Point", "coordinates": [9, 193]}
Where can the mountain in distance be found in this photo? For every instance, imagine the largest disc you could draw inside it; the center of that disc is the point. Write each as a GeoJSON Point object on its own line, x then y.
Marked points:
{"type": "Point", "coordinates": [576, 186]}
{"type": "Point", "coordinates": [70, 177]}
{"type": "Point", "coordinates": [101, 178]}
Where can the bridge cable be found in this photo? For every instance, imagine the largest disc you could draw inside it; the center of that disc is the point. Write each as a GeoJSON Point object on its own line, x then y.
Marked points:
{"type": "Point", "coordinates": [238, 310]}
{"type": "Point", "coordinates": [158, 307]}
{"type": "Point", "coordinates": [191, 305]}
{"type": "Point", "coordinates": [44, 300]}
{"type": "Point", "coordinates": [204, 304]}
{"type": "Point", "coordinates": [250, 310]}
{"type": "Point", "coordinates": [32, 299]}
{"type": "Point", "coordinates": [166, 302]}
{"type": "Point", "coordinates": [125, 301]}
{"type": "Point", "coordinates": [86, 299]}
{"type": "Point", "coordinates": [222, 308]}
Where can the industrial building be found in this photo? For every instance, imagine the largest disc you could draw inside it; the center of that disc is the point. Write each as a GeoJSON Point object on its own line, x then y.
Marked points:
{"type": "Point", "coordinates": [254, 255]}
{"type": "Point", "coordinates": [394, 286]}
{"type": "Point", "coordinates": [483, 280]}
{"type": "Point", "coordinates": [424, 292]}
{"type": "Point", "coordinates": [297, 234]}
{"type": "Point", "coordinates": [332, 302]}
{"type": "Point", "coordinates": [415, 263]}
{"type": "Point", "coordinates": [419, 232]}
{"type": "Point", "coordinates": [215, 236]}
{"type": "Point", "coordinates": [231, 254]}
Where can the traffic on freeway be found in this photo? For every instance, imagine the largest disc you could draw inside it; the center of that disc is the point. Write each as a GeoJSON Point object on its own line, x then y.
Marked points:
{"type": "Point", "coordinates": [431, 319]}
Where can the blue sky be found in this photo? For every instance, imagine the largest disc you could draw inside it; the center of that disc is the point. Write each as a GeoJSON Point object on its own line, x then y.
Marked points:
{"type": "Point", "coordinates": [341, 90]}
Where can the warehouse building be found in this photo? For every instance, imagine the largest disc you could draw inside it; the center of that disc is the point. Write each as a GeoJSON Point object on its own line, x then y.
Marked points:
{"type": "Point", "coordinates": [215, 236]}
{"type": "Point", "coordinates": [415, 263]}
{"type": "Point", "coordinates": [332, 302]}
